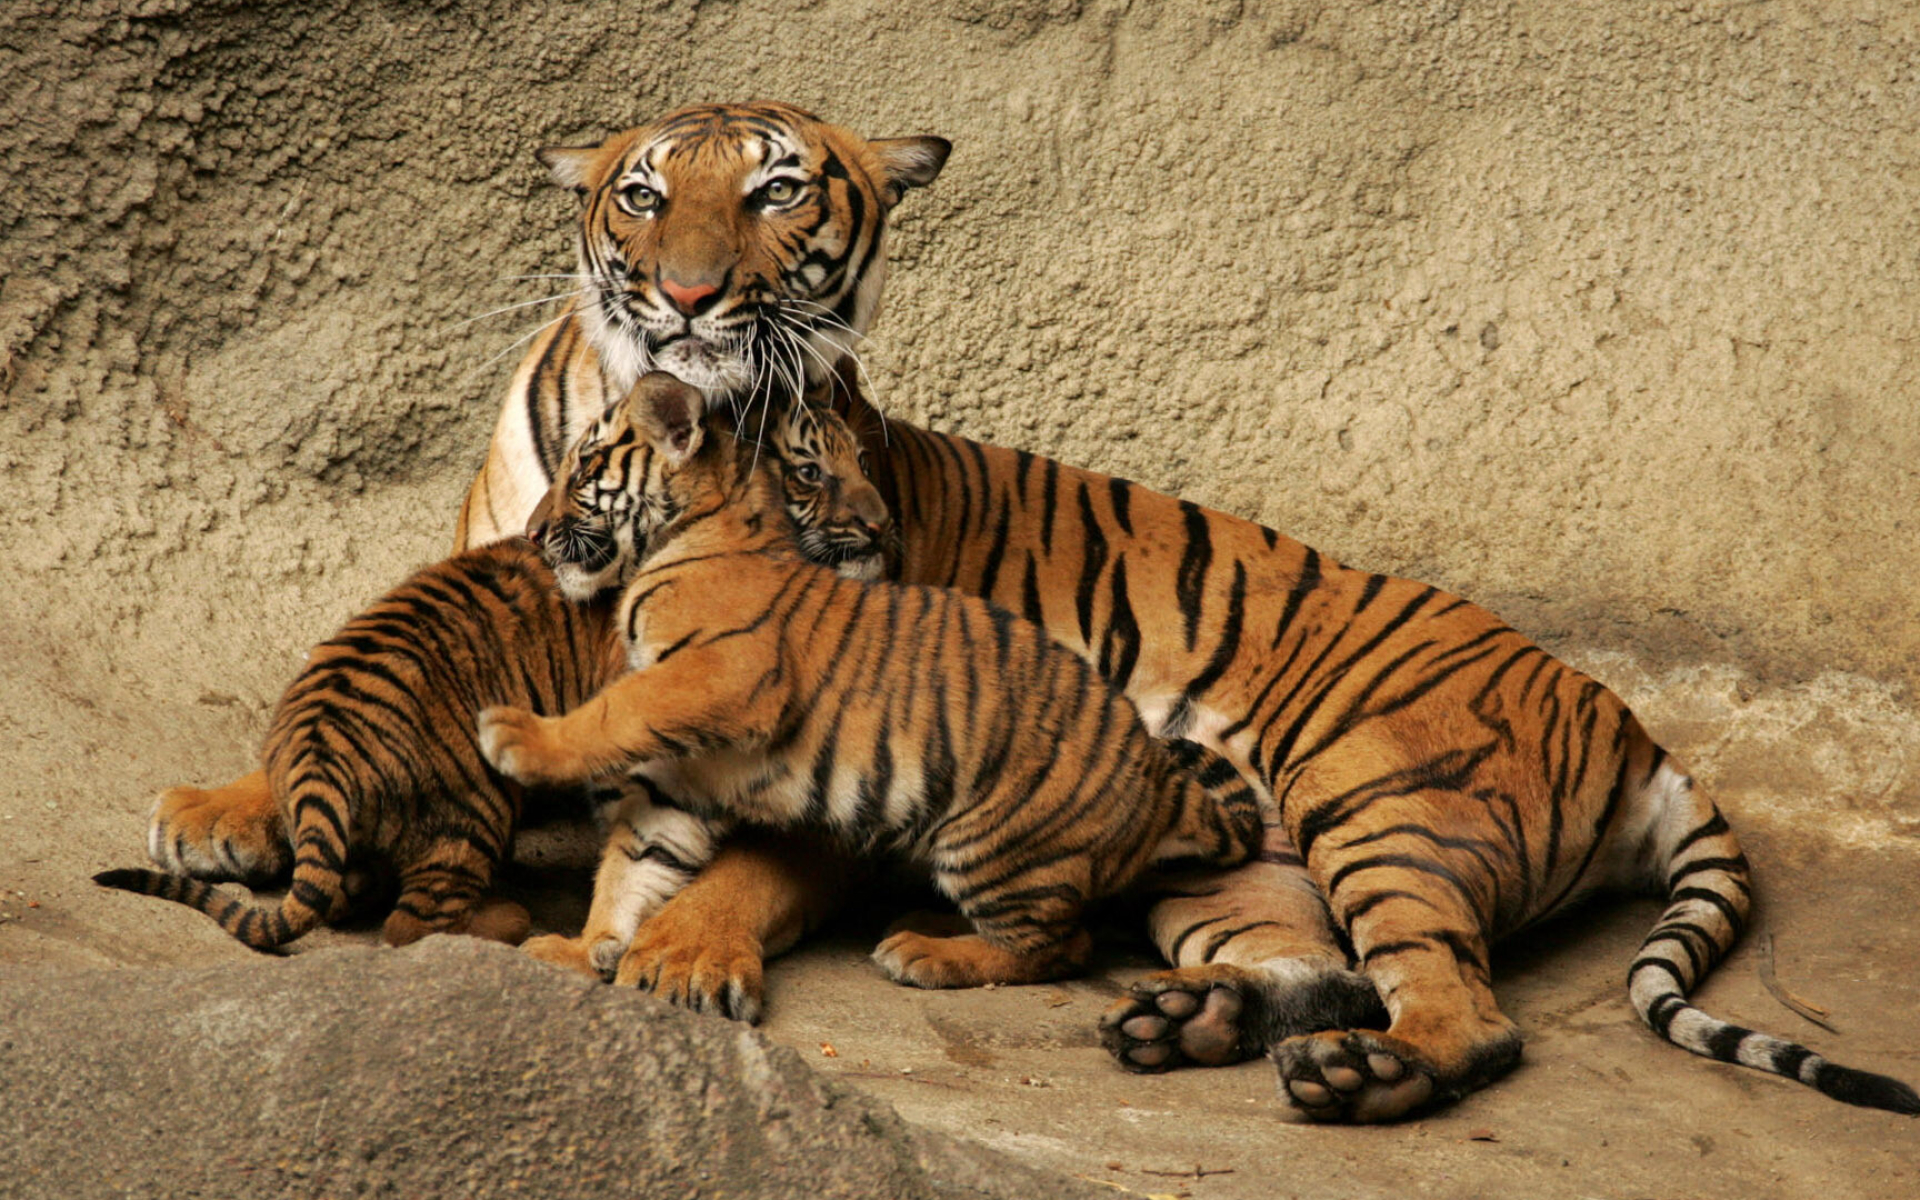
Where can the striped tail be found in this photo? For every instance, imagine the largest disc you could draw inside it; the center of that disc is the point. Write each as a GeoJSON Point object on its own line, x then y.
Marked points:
{"type": "Point", "coordinates": [317, 893]}
{"type": "Point", "coordinates": [1221, 815]}
{"type": "Point", "coordinates": [1708, 898]}
{"type": "Point", "coordinates": [258, 926]}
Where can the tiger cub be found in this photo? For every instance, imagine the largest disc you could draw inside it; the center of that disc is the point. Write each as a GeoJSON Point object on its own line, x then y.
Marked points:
{"type": "Point", "coordinates": [371, 752]}
{"type": "Point", "coordinates": [905, 718]}
{"type": "Point", "coordinates": [371, 756]}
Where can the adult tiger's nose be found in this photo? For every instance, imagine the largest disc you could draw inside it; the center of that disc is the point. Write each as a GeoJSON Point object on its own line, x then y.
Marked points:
{"type": "Point", "coordinates": [690, 300]}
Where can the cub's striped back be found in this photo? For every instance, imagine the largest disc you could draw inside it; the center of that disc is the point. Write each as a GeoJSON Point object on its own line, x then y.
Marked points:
{"type": "Point", "coordinates": [371, 754]}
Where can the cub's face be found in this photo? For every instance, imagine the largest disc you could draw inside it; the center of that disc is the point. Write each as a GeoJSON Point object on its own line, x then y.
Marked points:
{"type": "Point", "coordinates": [641, 467]}
{"type": "Point", "coordinates": [842, 521]}
{"type": "Point", "coordinates": [738, 247]}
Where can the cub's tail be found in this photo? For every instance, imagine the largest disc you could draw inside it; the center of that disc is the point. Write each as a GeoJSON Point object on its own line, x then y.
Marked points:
{"type": "Point", "coordinates": [317, 894]}
{"type": "Point", "coordinates": [1219, 822]}
{"type": "Point", "coordinates": [1708, 897]}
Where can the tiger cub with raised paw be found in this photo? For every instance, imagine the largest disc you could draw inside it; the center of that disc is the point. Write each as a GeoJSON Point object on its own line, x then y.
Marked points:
{"type": "Point", "coordinates": [841, 523]}
{"type": "Point", "coordinates": [916, 719]}
{"type": "Point", "coordinates": [371, 759]}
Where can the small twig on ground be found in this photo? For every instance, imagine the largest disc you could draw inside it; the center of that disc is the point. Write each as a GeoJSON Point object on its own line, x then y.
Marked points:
{"type": "Point", "coordinates": [1812, 1012]}
{"type": "Point", "coordinates": [1121, 1187]}
{"type": "Point", "coordinates": [1198, 1172]}
{"type": "Point", "coordinates": [906, 1078]}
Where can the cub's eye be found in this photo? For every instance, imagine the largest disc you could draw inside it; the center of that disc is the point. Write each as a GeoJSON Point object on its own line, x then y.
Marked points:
{"type": "Point", "coordinates": [778, 191]}
{"type": "Point", "coordinates": [639, 199]}
{"type": "Point", "coordinates": [807, 473]}
{"type": "Point", "coordinates": [866, 466]}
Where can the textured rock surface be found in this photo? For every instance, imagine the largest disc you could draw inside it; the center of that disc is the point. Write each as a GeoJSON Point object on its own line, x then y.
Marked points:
{"type": "Point", "coordinates": [454, 1069]}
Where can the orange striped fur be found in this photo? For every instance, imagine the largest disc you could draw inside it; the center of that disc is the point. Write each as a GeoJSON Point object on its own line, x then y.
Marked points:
{"type": "Point", "coordinates": [370, 759]}
{"type": "Point", "coordinates": [778, 693]}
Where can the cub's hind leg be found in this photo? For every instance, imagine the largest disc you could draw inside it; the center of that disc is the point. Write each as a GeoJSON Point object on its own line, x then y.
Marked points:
{"type": "Point", "coordinates": [235, 832]}
{"type": "Point", "coordinates": [444, 891]}
{"type": "Point", "coordinates": [1255, 961]}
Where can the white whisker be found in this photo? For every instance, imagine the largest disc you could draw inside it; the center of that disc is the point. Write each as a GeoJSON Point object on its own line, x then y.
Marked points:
{"type": "Point", "coordinates": [511, 307]}
{"type": "Point", "coordinates": [515, 345]}
{"type": "Point", "coordinates": [859, 364]}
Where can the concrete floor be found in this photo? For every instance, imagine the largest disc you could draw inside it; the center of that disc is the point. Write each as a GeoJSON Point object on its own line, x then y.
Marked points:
{"type": "Point", "coordinates": [1600, 1107]}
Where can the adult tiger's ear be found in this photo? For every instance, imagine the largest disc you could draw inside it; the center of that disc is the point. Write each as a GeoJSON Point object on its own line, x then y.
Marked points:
{"type": "Point", "coordinates": [668, 412]}
{"type": "Point", "coordinates": [568, 165]}
{"type": "Point", "coordinates": [909, 163]}
{"type": "Point", "coordinates": [542, 514]}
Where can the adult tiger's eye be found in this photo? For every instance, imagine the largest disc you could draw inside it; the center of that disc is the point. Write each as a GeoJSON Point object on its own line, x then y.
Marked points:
{"type": "Point", "coordinates": [639, 198]}
{"type": "Point", "coordinates": [779, 191]}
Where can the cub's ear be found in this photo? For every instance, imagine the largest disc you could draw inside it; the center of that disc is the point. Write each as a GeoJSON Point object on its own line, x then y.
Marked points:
{"type": "Point", "coordinates": [909, 163]}
{"type": "Point", "coordinates": [668, 413]}
{"type": "Point", "coordinates": [568, 165]}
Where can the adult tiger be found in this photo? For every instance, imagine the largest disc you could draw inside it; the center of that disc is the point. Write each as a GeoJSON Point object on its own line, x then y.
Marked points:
{"type": "Point", "coordinates": [742, 249]}
{"type": "Point", "coordinates": [1445, 780]}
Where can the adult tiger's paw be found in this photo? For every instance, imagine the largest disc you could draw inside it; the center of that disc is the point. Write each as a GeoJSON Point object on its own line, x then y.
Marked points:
{"type": "Point", "coordinates": [1195, 1016]}
{"type": "Point", "coordinates": [1352, 1075]}
{"type": "Point", "coordinates": [521, 746]}
{"type": "Point", "coordinates": [234, 832]}
{"type": "Point", "coordinates": [706, 970]}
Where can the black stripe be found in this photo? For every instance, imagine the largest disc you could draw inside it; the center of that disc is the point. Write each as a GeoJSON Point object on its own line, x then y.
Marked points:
{"type": "Point", "coordinates": [1733, 915]}
{"type": "Point", "coordinates": [1736, 866]}
{"type": "Point", "coordinates": [1713, 827]}
{"type": "Point", "coordinates": [1118, 494]}
{"type": "Point", "coordinates": [1120, 647]}
{"type": "Point", "coordinates": [1195, 560]}
{"type": "Point", "coordinates": [1093, 560]}
{"type": "Point", "coordinates": [1651, 962]}
{"type": "Point", "coordinates": [1661, 1015]}
{"type": "Point", "coordinates": [1308, 580]}
{"type": "Point", "coordinates": [1049, 486]}
{"type": "Point", "coordinates": [1229, 644]}
{"type": "Point", "coordinates": [996, 547]}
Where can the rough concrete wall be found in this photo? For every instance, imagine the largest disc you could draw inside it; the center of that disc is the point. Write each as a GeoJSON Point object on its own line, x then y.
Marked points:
{"type": "Point", "coordinates": [1598, 313]}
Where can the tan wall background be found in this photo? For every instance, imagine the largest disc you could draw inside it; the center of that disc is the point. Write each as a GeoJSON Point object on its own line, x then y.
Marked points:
{"type": "Point", "coordinates": [1600, 313]}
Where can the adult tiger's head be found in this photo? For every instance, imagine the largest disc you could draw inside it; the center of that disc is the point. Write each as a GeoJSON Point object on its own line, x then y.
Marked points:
{"type": "Point", "coordinates": [842, 520]}
{"type": "Point", "coordinates": [739, 247]}
{"type": "Point", "coordinates": [640, 469]}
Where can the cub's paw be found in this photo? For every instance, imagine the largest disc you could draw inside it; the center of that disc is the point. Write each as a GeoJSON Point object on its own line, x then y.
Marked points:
{"type": "Point", "coordinates": [519, 745]}
{"type": "Point", "coordinates": [1193, 1016]}
{"type": "Point", "coordinates": [931, 960]}
{"type": "Point", "coordinates": [710, 972]}
{"type": "Point", "coordinates": [235, 832]}
{"type": "Point", "coordinates": [919, 960]}
{"type": "Point", "coordinates": [1352, 1076]}
{"type": "Point", "coordinates": [568, 952]}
